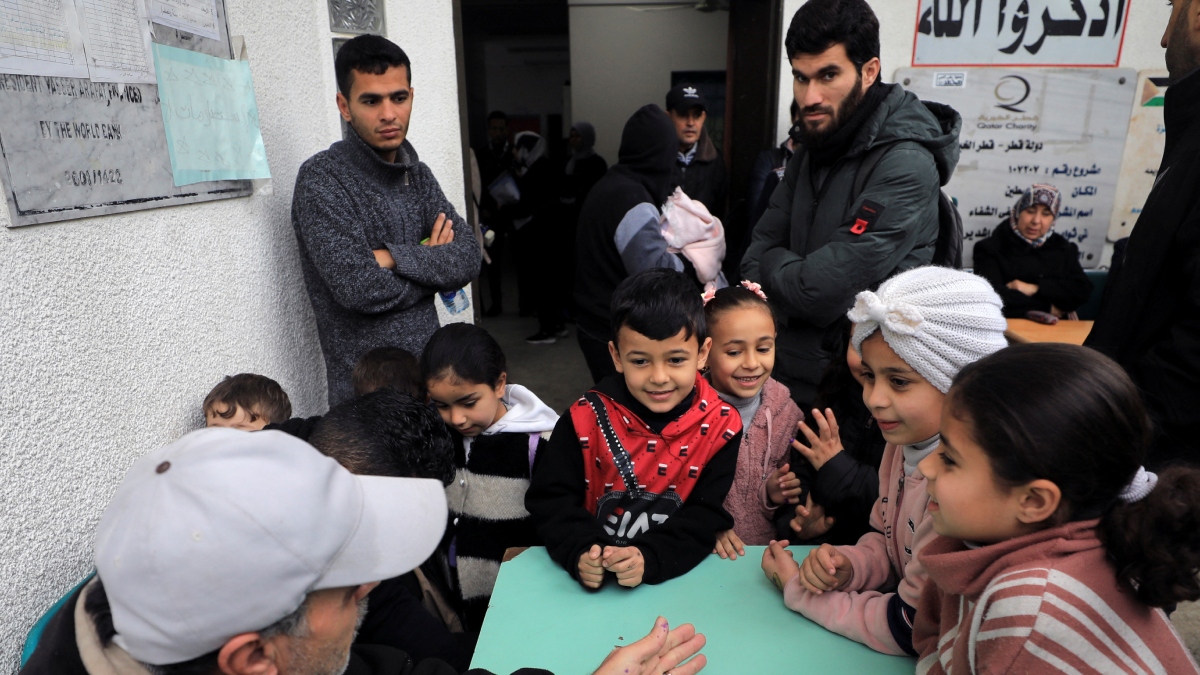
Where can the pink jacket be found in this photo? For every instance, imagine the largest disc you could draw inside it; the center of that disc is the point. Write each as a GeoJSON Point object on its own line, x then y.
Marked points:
{"type": "Point", "coordinates": [859, 611]}
{"type": "Point", "coordinates": [1047, 602]}
{"type": "Point", "coordinates": [765, 443]}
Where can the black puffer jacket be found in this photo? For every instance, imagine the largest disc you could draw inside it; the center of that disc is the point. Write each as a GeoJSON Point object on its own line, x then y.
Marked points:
{"type": "Point", "coordinates": [1053, 267]}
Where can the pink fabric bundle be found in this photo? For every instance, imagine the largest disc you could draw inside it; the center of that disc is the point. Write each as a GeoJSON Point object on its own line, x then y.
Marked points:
{"type": "Point", "coordinates": [689, 228]}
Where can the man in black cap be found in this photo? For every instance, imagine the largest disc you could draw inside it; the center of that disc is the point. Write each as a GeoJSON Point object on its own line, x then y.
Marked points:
{"type": "Point", "coordinates": [619, 229]}
{"type": "Point", "coordinates": [698, 168]}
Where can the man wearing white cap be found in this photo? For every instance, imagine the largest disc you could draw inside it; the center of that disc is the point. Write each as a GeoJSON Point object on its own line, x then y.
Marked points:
{"type": "Point", "coordinates": [239, 553]}
{"type": "Point", "coordinates": [231, 552]}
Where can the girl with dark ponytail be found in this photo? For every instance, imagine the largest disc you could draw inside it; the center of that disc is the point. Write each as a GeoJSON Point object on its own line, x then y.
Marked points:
{"type": "Point", "coordinates": [1057, 550]}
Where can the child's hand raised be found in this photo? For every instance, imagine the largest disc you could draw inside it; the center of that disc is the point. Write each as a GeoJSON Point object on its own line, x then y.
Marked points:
{"type": "Point", "coordinates": [821, 448]}
{"type": "Point", "coordinates": [825, 569]}
{"type": "Point", "coordinates": [778, 564]}
{"type": "Point", "coordinates": [729, 545]}
{"type": "Point", "coordinates": [591, 571]}
{"type": "Point", "coordinates": [810, 521]}
{"type": "Point", "coordinates": [783, 487]}
{"type": "Point", "coordinates": [626, 562]}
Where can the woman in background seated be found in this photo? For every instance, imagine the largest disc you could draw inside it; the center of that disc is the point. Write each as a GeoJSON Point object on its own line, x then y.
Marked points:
{"type": "Point", "coordinates": [1029, 265]}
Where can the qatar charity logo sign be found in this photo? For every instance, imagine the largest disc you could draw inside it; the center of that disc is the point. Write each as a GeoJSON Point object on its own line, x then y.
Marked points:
{"type": "Point", "coordinates": [1020, 32]}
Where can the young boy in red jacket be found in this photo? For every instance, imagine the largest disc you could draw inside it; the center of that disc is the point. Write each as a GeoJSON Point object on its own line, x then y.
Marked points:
{"type": "Point", "coordinates": [633, 479]}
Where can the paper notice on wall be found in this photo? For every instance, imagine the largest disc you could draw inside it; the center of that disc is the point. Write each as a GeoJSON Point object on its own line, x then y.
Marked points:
{"type": "Point", "coordinates": [211, 117]}
{"type": "Point", "coordinates": [194, 16]}
{"type": "Point", "coordinates": [1065, 127]}
{"type": "Point", "coordinates": [41, 37]}
{"type": "Point", "coordinates": [116, 39]}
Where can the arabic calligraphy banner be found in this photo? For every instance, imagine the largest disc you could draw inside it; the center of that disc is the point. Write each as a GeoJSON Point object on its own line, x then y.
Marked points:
{"type": "Point", "coordinates": [1065, 127]}
{"type": "Point", "coordinates": [1020, 32]}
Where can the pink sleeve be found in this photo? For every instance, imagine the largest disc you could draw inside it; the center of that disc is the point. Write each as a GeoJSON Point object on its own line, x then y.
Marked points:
{"type": "Point", "coordinates": [862, 617]}
{"type": "Point", "coordinates": [915, 575]}
{"type": "Point", "coordinates": [783, 430]}
{"type": "Point", "coordinates": [872, 568]}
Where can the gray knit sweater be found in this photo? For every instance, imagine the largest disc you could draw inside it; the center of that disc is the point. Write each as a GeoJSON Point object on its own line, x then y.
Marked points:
{"type": "Point", "coordinates": [349, 202]}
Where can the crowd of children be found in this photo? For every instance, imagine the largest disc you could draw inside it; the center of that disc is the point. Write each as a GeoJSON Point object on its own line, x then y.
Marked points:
{"type": "Point", "coordinates": [976, 506]}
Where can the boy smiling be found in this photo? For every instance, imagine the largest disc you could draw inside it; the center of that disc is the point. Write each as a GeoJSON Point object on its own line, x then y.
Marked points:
{"type": "Point", "coordinates": [634, 477]}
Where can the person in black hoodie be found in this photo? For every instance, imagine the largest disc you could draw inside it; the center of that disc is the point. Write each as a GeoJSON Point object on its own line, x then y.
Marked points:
{"type": "Point", "coordinates": [618, 232]}
{"type": "Point", "coordinates": [1032, 267]}
{"type": "Point", "coordinates": [1149, 321]}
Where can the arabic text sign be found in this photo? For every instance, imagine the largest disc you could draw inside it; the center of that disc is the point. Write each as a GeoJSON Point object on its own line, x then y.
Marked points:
{"type": "Point", "coordinates": [1064, 127]}
{"type": "Point", "coordinates": [1024, 32]}
{"type": "Point", "coordinates": [211, 117]}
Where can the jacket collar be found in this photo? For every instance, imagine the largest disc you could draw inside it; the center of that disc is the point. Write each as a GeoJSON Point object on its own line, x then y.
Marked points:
{"type": "Point", "coordinates": [1181, 107]}
{"type": "Point", "coordinates": [356, 151]}
{"type": "Point", "coordinates": [959, 570]}
{"type": "Point", "coordinates": [96, 658]}
{"type": "Point", "coordinates": [614, 388]}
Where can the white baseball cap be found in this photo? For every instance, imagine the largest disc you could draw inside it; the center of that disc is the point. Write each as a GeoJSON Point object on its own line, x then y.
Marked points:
{"type": "Point", "coordinates": [225, 532]}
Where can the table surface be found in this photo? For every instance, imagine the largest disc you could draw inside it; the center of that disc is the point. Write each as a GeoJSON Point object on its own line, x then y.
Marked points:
{"type": "Point", "coordinates": [1070, 332]}
{"type": "Point", "coordinates": [539, 617]}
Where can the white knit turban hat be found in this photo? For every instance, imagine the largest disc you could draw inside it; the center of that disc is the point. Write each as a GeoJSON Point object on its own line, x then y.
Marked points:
{"type": "Point", "coordinates": [935, 318]}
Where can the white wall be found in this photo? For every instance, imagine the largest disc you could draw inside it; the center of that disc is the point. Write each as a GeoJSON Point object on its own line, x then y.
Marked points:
{"type": "Point", "coordinates": [113, 329]}
{"type": "Point", "coordinates": [898, 21]}
{"type": "Point", "coordinates": [524, 82]}
{"type": "Point", "coordinates": [622, 57]}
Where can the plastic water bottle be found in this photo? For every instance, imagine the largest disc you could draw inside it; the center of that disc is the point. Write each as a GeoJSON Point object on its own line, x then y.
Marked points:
{"type": "Point", "coordinates": [455, 301]}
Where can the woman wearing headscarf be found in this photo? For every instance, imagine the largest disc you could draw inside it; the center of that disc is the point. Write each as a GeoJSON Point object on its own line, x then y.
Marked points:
{"type": "Point", "coordinates": [1032, 267]}
{"type": "Point", "coordinates": [533, 219]}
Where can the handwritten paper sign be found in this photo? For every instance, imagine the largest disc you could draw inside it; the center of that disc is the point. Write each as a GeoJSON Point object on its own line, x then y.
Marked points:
{"type": "Point", "coordinates": [211, 117]}
{"type": "Point", "coordinates": [198, 17]}
{"type": "Point", "coordinates": [1065, 127]}
{"type": "Point", "coordinates": [1020, 32]}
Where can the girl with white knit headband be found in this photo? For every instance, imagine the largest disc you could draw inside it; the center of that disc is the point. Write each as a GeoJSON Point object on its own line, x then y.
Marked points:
{"type": "Point", "coordinates": [914, 334]}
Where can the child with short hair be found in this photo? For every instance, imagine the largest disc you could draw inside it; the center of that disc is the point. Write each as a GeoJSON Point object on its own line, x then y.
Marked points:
{"type": "Point", "coordinates": [246, 401]}
{"type": "Point", "coordinates": [914, 334]}
{"type": "Point", "coordinates": [498, 430]}
{"type": "Point", "coordinates": [742, 327]}
{"type": "Point", "coordinates": [1056, 548]}
{"type": "Point", "coordinates": [634, 477]}
{"type": "Point", "coordinates": [388, 367]}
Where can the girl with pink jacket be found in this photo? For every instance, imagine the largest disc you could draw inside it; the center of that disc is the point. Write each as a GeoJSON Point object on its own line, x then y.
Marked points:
{"type": "Point", "coordinates": [914, 334]}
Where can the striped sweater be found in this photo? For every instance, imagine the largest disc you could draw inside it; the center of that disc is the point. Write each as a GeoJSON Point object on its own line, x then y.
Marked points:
{"type": "Point", "coordinates": [487, 497]}
{"type": "Point", "coordinates": [1048, 602]}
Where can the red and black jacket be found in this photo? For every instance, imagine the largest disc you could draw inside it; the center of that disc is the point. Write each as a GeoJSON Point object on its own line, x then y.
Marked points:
{"type": "Point", "coordinates": [682, 463]}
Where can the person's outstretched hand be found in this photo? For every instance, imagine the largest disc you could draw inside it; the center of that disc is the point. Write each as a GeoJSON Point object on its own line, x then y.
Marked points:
{"type": "Point", "coordinates": [662, 651]}
{"type": "Point", "coordinates": [823, 444]}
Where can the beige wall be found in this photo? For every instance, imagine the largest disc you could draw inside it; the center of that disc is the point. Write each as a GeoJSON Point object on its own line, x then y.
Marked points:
{"type": "Point", "coordinates": [622, 57]}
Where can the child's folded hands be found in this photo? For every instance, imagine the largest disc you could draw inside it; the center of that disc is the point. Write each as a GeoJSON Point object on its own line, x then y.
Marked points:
{"type": "Point", "coordinates": [626, 562]}
{"type": "Point", "coordinates": [825, 569]}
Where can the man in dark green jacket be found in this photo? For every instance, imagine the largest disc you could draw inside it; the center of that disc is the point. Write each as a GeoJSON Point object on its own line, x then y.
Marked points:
{"type": "Point", "coordinates": [819, 244]}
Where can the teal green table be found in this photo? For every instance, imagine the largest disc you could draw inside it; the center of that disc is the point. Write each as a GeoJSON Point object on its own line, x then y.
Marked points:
{"type": "Point", "coordinates": [541, 618]}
